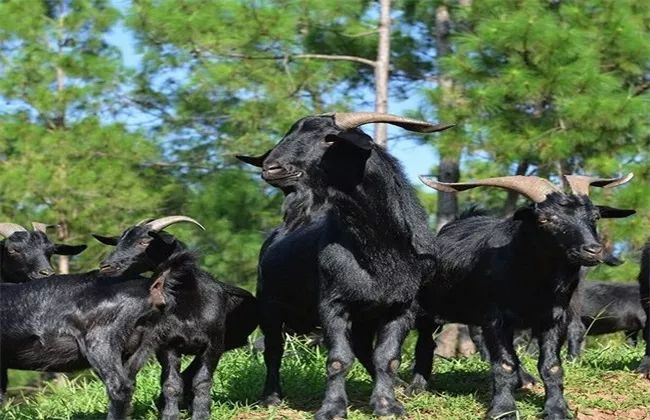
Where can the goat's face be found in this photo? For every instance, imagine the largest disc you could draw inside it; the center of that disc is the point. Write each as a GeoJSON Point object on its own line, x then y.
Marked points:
{"type": "Point", "coordinates": [26, 255]}
{"type": "Point", "coordinates": [569, 221]}
{"type": "Point", "coordinates": [137, 250]}
{"type": "Point", "coordinates": [315, 153]}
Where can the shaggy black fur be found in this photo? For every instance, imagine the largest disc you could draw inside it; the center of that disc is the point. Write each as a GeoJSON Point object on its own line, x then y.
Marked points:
{"type": "Point", "coordinates": [138, 250]}
{"type": "Point", "coordinates": [67, 323]}
{"type": "Point", "coordinates": [25, 256]}
{"type": "Point", "coordinates": [512, 273]}
{"type": "Point", "coordinates": [350, 255]}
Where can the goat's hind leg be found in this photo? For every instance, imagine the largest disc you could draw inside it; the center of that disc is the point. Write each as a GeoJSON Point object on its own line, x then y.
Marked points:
{"type": "Point", "coordinates": [202, 380]}
{"type": "Point", "coordinates": [271, 326]}
{"type": "Point", "coordinates": [387, 357]}
{"type": "Point", "coordinates": [425, 347]}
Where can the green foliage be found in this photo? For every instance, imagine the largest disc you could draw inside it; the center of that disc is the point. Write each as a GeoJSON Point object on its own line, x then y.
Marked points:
{"type": "Point", "coordinates": [64, 159]}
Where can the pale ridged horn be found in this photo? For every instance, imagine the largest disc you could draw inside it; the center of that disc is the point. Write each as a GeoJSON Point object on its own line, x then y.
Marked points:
{"type": "Point", "coordinates": [8, 229]}
{"type": "Point", "coordinates": [580, 184]}
{"type": "Point", "coordinates": [533, 187]}
{"type": "Point", "coordinates": [160, 224]}
{"type": "Point", "coordinates": [350, 120]}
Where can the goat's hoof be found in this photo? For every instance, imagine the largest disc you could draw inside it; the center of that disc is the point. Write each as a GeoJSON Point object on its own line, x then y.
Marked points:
{"type": "Point", "coordinates": [331, 412]}
{"type": "Point", "coordinates": [387, 407]}
{"type": "Point", "coordinates": [560, 412]}
{"type": "Point", "coordinates": [415, 388]}
{"type": "Point", "coordinates": [644, 368]}
{"type": "Point", "coordinates": [271, 400]}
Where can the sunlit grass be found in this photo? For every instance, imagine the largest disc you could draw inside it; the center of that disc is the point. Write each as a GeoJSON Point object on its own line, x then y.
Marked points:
{"type": "Point", "coordinates": [602, 383]}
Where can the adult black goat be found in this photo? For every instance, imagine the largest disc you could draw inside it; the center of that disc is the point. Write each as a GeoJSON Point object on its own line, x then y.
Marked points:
{"type": "Point", "coordinates": [72, 322]}
{"type": "Point", "coordinates": [517, 272]}
{"type": "Point", "coordinates": [216, 310]}
{"type": "Point", "coordinates": [25, 255]}
{"type": "Point", "coordinates": [644, 286]}
{"type": "Point", "coordinates": [350, 255]}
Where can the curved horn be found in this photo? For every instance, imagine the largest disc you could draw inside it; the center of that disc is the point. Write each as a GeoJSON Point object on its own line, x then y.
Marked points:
{"type": "Point", "coordinates": [143, 221]}
{"type": "Point", "coordinates": [160, 224]}
{"type": "Point", "coordinates": [533, 187]}
{"type": "Point", "coordinates": [580, 184]}
{"type": "Point", "coordinates": [41, 227]}
{"type": "Point", "coordinates": [8, 229]}
{"type": "Point", "coordinates": [349, 120]}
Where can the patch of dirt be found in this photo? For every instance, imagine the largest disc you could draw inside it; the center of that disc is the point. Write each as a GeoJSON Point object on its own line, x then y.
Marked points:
{"type": "Point", "coordinates": [628, 414]}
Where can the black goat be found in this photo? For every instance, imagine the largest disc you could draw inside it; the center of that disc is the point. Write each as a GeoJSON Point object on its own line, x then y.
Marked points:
{"type": "Point", "coordinates": [517, 272]}
{"type": "Point", "coordinates": [644, 286]}
{"type": "Point", "coordinates": [25, 255]}
{"type": "Point", "coordinates": [214, 310]}
{"type": "Point", "coordinates": [72, 322]}
{"type": "Point", "coordinates": [350, 255]}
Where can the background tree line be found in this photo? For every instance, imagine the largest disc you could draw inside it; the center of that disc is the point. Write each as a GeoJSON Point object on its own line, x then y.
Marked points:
{"type": "Point", "coordinates": [113, 111]}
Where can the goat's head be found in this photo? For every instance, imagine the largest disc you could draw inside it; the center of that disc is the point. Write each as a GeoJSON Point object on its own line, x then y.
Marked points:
{"type": "Point", "coordinates": [328, 149]}
{"type": "Point", "coordinates": [25, 255]}
{"type": "Point", "coordinates": [141, 247]}
{"type": "Point", "coordinates": [566, 220]}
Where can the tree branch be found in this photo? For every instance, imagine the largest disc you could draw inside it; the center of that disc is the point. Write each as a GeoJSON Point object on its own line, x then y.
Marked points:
{"type": "Point", "coordinates": [331, 57]}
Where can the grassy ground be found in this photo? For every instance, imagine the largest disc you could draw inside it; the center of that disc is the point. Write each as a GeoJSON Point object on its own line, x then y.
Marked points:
{"type": "Point", "coordinates": [601, 385]}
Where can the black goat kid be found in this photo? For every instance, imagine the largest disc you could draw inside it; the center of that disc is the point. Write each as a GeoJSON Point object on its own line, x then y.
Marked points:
{"type": "Point", "coordinates": [73, 322]}
{"type": "Point", "coordinates": [350, 255]}
{"type": "Point", "coordinates": [515, 273]}
{"type": "Point", "coordinates": [212, 307]}
{"type": "Point", "coordinates": [644, 286]}
{"type": "Point", "coordinates": [25, 255]}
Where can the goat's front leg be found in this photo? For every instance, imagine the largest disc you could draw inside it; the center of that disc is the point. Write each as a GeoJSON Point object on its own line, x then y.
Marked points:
{"type": "Point", "coordinates": [171, 383]}
{"type": "Point", "coordinates": [505, 369]}
{"type": "Point", "coordinates": [549, 364]}
{"type": "Point", "coordinates": [106, 360]}
{"type": "Point", "coordinates": [644, 366]}
{"type": "Point", "coordinates": [576, 332]}
{"type": "Point", "coordinates": [202, 380]}
{"type": "Point", "coordinates": [340, 357]}
{"type": "Point", "coordinates": [386, 358]}
{"type": "Point", "coordinates": [425, 347]}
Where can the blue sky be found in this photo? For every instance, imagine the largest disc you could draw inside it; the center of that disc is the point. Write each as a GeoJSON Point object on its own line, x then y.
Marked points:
{"type": "Point", "coordinates": [417, 159]}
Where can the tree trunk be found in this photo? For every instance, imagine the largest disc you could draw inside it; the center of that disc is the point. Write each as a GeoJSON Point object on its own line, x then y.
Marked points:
{"type": "Point", "coordinates": [511, 200]}
{"type": "Point", "coordinates": [448, 171]}
{"type": "Point", "coordinates": [63, 234]}
{"type": "Point", "coordinates": [382, 70]}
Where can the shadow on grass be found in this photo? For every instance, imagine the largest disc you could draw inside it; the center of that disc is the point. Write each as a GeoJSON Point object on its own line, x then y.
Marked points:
{"type": "Point", "coordinates": [477, 384]}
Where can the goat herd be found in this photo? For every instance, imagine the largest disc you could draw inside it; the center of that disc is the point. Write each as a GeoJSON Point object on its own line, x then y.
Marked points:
{"type": "Point", "coordinates": [354, 255]}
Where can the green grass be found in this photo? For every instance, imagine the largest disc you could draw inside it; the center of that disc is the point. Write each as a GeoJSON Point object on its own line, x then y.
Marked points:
{"type": "Point", "coordinates": [602, 385]}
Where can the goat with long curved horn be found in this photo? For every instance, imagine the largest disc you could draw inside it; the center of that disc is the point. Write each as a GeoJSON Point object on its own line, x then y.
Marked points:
{"type": "Point", "coordinates": [160, 224]}
{"type": "Point", "coordinates": [8, 229]}
{"type": "Point", "coordinates": [349, 120]}
{"type": "Point", "coordinates": [580, 184]}
{"type": "Point", "coordinates": [533, 187]}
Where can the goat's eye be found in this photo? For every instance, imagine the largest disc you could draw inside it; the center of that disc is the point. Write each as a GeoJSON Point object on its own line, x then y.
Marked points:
{"type": "Point", "coordinates": [543, 220]}
{"type": "Point", "coordinates": [143, 243]}
{"type": "Point", "coordinates": [12, 251]}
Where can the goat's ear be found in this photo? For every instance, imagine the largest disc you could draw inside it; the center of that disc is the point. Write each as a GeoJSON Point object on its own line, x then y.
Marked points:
{"type": "Point", "coordinates": [61, 249]}
{"type": "Point", "coordinates": [254, 160]}
{"type": "Point", "coordinates": [156, 291]}
{"type": "Point", "coordinates": [106, 240]}
{"type": "Point", "coordinates": [354, 137]}
{"type": "Point", "coordinates": [607, 212]}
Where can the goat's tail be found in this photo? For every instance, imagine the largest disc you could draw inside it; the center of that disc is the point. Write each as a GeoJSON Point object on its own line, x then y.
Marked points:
{"type": "Point", "coordinates": [241, 317]}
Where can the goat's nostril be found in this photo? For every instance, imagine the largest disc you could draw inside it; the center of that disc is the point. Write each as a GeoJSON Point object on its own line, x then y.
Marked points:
{"type": "Point", "coordinates": [593, 248]}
